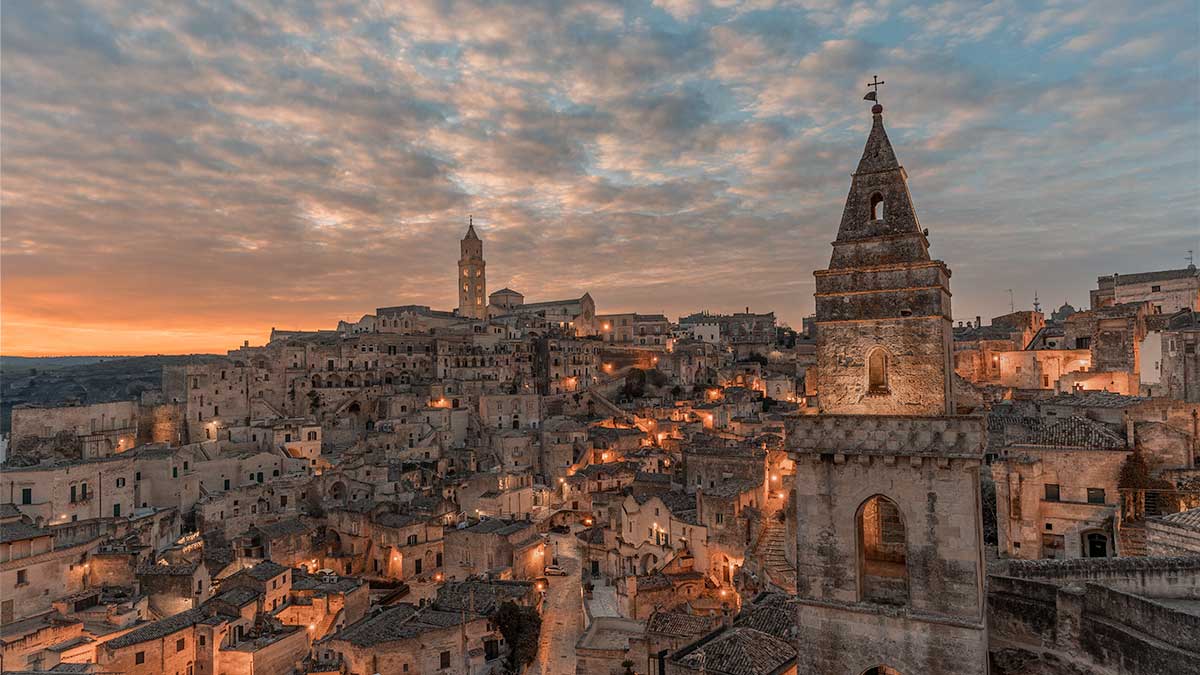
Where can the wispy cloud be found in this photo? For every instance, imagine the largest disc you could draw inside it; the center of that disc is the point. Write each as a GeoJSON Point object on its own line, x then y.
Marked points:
{"type": "Point", "coordinates": [183, 176]}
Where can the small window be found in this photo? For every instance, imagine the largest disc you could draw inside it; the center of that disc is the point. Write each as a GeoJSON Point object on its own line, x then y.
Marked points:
{"type": "Point", "coordinates": [876, 206]}
{"type": "Point", "coordinates": [26, 495]}
{"type": "Point", "coordinates": [180, 644]}
{"type": "Point", "coordinates": [445, 660]}
{"type": "Point", "coordinates": [1155, 289]}
{"type": "Point", "coordinates": [22, 577]}
{"type": "Point", "coordinates": [877, 375]}
{"type": "Point", "coordinates": [1095, 495]}
{"type": "Point", "coordinates": [1052, 492]}
{"type": "Point", "coordinates": [139, 658]}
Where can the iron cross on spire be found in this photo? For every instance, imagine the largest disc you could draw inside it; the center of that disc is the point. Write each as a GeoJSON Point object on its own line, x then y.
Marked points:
{"type": "Point", "coordinates": [873, 95]}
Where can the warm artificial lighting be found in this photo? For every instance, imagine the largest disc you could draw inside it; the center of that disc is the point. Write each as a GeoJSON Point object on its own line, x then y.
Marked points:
{"type": "Point", "coordinates": [774, 477]}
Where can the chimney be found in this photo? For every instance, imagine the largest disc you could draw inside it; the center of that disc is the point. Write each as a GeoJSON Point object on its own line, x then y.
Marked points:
{"type": "Point", "coordinates": [978, 321]}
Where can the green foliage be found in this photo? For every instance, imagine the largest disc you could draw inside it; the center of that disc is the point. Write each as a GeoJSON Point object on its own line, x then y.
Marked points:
{"type": "Point", "coordinates": [520, 626]}
{"type": "Point", "coordinates": [635, 383]}
{"type": "Point", "coordinates": [1135, 474]}
{"type": "Point", "coordinates": [657, 378]}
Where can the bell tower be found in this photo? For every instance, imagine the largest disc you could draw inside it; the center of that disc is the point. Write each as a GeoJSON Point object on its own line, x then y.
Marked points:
{"type": "Point", "coordinates": [884, 329]}
{"type": "Point", "coordinates": [889, 534]}
{"type": "Point", "coordinates": [472, 283]}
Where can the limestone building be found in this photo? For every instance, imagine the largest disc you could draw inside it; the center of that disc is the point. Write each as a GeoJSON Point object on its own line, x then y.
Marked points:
{"type": "Point", "coordinates": [889, 552]}
{"type": "Point", "coordinates": [472, 283]}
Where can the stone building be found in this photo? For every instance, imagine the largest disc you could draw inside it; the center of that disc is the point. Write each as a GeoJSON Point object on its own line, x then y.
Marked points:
{"type": "Point", "coordinates": [1167, 291]}
{"type": "Point", "coordinates": [1180, 357]}
{"type": "Point", "coordinates": [511, 549]}
{"type": "Point", "coordinates": [889, 554]}
{"type": "Point", "coordinates": [1056, 490]}
{"type": "Point", "coordinates": [97, 429]}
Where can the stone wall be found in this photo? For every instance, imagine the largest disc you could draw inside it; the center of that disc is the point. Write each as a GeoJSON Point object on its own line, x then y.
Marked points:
{"type": "Point", "coordinates": [918, 366]}
{"type": "Point", "coordinates": [1156, 577]}
{"type": "Point", "coordinates": [1040, 627]}
{"type": "Point", "coordinates": [1164, 538]}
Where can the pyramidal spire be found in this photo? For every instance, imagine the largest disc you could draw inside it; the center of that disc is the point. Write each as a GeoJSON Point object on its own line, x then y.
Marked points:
{"type": "Point", "coordinates": [878, 154]}
{"type": "Point", "coordinates": [471, 228]}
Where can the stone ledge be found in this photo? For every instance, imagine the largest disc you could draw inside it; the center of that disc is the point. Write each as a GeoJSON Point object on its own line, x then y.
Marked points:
{"type": "Point", "coordinates": [896, 435]}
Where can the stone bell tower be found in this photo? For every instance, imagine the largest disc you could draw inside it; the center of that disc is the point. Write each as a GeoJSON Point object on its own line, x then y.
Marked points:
{"type": "Point", "coordinates": [472, 283]}
{"type": "Point", "coordinates": [889, 535]}
{"type": "Point", "coordinates": [884, 330]}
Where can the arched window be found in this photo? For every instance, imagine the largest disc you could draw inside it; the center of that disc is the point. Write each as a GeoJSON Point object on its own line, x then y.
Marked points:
{"type": "Point", "coordinates": [876, 206]}
{"type": "Point", "coordinates": [882, 553]}
{"type": "Point", "coordinates": [877, 371]}
{"type": "Point", "coordinates": [881, 670]}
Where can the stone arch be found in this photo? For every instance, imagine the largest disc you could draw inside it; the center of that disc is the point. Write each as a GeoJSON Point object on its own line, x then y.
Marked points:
{"type": "Point", "coordinates": [648, 563]}
{"type": "Point", "coordinates": [878, 365]}
{"type": "Point", "coordinates": [316, 382]}
{"type": "Point", "coordinates": [881, 670]}
{"type": "Point", "coordinates": [877, 206]}
{"type": "Point", "coordinates": [882, 552]}
{"type": "Point", "coordinates": [337, 491]}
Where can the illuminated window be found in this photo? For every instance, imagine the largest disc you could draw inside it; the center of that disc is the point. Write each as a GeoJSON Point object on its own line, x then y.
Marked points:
{"type": "Point", "coordinates": [877, 375]}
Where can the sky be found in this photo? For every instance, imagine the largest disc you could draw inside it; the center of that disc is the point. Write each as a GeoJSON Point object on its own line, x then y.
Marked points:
{"type": "Point", "coordinates": [181, 177]}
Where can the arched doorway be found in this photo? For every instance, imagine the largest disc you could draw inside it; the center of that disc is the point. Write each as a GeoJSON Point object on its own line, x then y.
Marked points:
{"type": "Point", "coordinates": [882, 552]}
{"type": "Point", "coordinates": [1095, 545]}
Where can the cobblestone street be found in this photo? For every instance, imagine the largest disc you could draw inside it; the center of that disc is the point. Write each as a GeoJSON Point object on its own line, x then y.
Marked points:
{"type": "Point", "coordinates": [562, 613]}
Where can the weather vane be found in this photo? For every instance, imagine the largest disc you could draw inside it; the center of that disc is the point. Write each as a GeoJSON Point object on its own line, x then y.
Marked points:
{"type": "Point", "coordinates": [873, 95]}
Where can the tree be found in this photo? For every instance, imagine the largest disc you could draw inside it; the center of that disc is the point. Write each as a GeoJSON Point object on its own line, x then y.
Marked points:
{"type": "Point", "coordinates": [520, 626]}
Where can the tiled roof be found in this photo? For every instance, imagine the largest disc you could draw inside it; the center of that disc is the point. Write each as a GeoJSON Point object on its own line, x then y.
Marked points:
{"type": "Point", "coordinates": [17, 530]}
{"type": "Point", "coordinates": [179, 570]}
{"type": "Point", "coordinates": [656, 581]}
{"type": "Point", "coordinates": [1189, 519]}
{"type": "Point", "coordinates": [158, 629]}
{"type": "Point", "coordinates": [731, 488]}
{"type": "Point", "coordinates": [238, 597]}
{"type": "Point", "coordinates": [481, 597]}
{"type": "Point", "coordinates": [778, 618]}
{"type": "Point", "coordinates": [398, 520]}
{"type": "Point", "coordinates": [266, 570]}
{"type": "Point", "coordinates": [497, 526]}
{"type": "Point", "coordinates": [284, 528]}
{"type": "Point", "coordinates": [1146, 277]}
{"type": "Point", "coordinates": [390, 624]}
{"type": "Point", "coordinates": [1095, 399]}
{"type": "Point", "coordinates": [1072, 432]}
{"type": "Point", "coordinates": [739, 650]}
{"type": "Point", "coordinates": [677, 624]}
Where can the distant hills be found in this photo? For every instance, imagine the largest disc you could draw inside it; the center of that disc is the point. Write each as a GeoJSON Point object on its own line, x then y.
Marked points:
{"type": "Point", "coordinates": [85, 379]}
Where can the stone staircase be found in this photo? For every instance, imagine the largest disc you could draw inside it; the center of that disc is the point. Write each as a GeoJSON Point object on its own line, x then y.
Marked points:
{"type": "Point", "coordinates": [1131, 538]}
{"type": "Point", "coordinates": [771, 547]}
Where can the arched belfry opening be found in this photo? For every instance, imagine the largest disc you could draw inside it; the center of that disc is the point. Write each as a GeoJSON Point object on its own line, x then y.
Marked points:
{"type": "Point", "coordinates": [876, 206]}
{"type": "Point", "coordinates": [877, 371]}
{"type": "Point", "coordinates": [882, 552]}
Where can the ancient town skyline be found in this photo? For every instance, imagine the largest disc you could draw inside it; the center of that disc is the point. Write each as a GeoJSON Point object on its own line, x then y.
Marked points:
{"type": "Point", "coordinates": [185, 179]}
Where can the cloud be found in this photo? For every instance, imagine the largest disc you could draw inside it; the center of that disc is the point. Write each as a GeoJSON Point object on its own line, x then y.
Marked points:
{"type": "Point", "coordinates": [185, 178]}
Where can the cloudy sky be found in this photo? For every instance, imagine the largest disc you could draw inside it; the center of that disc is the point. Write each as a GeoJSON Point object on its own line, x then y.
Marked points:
{"type": "Point", "coordinates": [184, 176]}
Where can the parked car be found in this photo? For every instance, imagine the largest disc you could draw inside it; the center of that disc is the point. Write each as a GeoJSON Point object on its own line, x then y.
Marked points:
{"type": "Point", "coordinates": [555, 571]}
